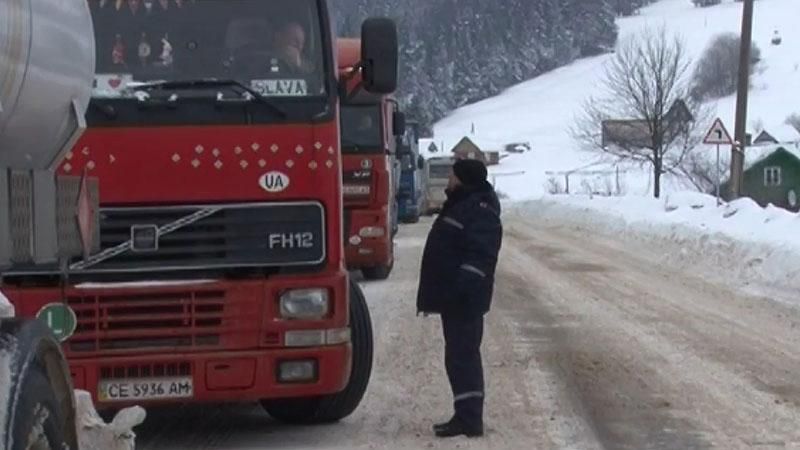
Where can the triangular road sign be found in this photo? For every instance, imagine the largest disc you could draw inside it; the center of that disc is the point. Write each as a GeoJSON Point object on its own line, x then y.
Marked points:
{"type": "Point", "coordinates": [718, 135]}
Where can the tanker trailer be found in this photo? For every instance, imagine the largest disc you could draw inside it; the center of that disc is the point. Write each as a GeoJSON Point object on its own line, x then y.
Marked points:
{"type": "Point", "coordinates": [46, 75]}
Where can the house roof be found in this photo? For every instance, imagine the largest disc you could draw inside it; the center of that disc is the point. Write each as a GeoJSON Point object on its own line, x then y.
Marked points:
{"type": "Point", "coordinates": [466, 143]}
{"type": "Point", "coordinates": [785, 133]}
{"type": "Point", "coordinates": [765, 137]}
{"type": "Point", "coordinates": [755, 155]}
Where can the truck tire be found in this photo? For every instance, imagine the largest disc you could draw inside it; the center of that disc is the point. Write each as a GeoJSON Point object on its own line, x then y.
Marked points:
{"type": "Point", "coordinates": [36, 423]}
{"type": "Point", "coordinates": [332, 408]}
{"type": "Point", "coordinates": [412, 219]}
{"type": "Point", "coordinates": [378, 273]}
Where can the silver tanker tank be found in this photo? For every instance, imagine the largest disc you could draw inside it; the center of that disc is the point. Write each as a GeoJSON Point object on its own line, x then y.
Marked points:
{"type": "Point", "coordinates": [47, 63]}
{"type": "Point", "coordinates": [46, 74]}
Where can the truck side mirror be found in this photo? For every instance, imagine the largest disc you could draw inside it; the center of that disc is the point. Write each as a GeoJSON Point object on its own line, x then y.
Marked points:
{"type": "Point", "coordinates": [379, 55]}
{"type": "Point", "coordinates": [399, 123]}
{"type": "Point", "coordinates": [420, 162]}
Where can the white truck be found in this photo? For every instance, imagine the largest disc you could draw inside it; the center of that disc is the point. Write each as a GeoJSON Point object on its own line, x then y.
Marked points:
{"type": "Point", "coordinates": [438, 175]}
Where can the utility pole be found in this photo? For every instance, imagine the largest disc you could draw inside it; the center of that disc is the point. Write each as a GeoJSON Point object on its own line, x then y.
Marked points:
{"type": "Point", "coordinates": [740, 136]}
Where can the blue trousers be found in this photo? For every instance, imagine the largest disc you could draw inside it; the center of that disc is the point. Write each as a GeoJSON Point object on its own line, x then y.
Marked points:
{"type": "Point", "coordinates": [462, 358]}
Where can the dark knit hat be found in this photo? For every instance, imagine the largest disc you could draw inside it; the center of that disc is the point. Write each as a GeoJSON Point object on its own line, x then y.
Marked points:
{"type": "Point", "coordinates": [470, 172]}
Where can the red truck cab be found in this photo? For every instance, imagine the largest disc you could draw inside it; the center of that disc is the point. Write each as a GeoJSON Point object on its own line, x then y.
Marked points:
{"type": "Point", "coordinates": [218, 274]}
{"type": "Point", "coordinates": [369, 124]}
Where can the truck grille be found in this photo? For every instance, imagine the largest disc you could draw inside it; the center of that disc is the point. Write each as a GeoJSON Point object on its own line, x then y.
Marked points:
{"type": "Point", "coordinates": [200, 237]}
{"type": "Point", "coordinates": [182, 369]}
{"type": "Point", "coordinates": [163, 320]}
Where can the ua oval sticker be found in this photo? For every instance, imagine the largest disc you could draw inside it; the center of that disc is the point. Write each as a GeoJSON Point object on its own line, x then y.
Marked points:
{"type": "Point", "coordinates": [274, 181]}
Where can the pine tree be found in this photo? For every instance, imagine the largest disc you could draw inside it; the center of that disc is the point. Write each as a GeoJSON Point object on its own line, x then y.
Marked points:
{"type": "Point", "coordinates": [455, 52]}
{"type": "Point", "coordinates": [592, 25]}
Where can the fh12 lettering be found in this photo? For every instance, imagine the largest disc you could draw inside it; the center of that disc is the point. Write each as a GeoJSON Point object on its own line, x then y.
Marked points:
{"type": "Point", "coordinates": [290, 241]}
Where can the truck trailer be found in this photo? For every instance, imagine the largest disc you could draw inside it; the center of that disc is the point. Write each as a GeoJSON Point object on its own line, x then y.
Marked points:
{"type": "Point", "coordinates": [438, 175]}
{"type": "Point", "coordinates": [46, 70]}
{"type": "Point", "coordinates": [412, 194]}
{"type": "Point", "coordinates": [369, 123]}
{"type": "Point", "coordinates": [219, 273]}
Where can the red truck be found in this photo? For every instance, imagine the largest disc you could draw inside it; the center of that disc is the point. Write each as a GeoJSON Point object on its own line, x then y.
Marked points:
{"type": "Point", "coordinates": [213, 133]}
{"type": "Point", "coordinates": [369, 123]}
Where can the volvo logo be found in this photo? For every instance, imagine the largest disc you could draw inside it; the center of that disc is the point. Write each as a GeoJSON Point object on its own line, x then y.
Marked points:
{"type": "Point", "coordinates": [274, 181]}
{"type": "Point", "coordinates": [144, 238]}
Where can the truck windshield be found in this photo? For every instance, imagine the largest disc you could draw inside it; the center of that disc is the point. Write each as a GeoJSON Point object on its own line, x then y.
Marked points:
{"type": "Point", "coordinates": [273, 48]}
{"type": "Point", "coordinates": [361, 129]}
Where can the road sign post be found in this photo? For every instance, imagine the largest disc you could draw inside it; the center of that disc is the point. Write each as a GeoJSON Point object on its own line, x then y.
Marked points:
{"type": "Point", "coordinates": [718, 135]}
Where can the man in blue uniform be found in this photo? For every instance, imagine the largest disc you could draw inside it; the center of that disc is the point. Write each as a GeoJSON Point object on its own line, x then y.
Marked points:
{"type": "Point", "coordinates": [457, 282]}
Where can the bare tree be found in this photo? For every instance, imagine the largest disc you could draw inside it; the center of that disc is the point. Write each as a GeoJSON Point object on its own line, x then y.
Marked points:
{"type": "Point", "coordinates": [794, 121]}
{"type": "Point", "coordinates": [646, 113]}
{"type": "Point", "coordinates": [702, 171]}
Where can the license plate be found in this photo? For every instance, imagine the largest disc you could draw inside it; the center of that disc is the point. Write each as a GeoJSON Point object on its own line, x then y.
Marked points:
{"type": "Point", "coordinates": [145, 389]}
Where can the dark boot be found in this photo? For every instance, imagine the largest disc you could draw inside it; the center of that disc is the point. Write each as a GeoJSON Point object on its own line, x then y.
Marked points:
{"type": "Point", "coordinates": [456, 428]}
{"type": "Point", "coordinates": [443, 425]}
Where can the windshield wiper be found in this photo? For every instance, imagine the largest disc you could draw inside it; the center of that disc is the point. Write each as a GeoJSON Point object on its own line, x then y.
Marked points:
{"type": "Point", "coordinates": [252, 95]}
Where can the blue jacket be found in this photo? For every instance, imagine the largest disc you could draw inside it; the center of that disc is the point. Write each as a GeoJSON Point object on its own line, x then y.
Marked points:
{"type": "Point", "coordinates": [458, 265]}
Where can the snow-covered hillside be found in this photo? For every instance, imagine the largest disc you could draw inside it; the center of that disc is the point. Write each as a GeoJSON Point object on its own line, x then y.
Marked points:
{"type": "Point", "coordinates": [541, 111]}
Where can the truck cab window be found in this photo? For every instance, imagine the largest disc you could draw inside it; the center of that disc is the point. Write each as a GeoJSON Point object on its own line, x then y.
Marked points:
{"type": "Point", "coordinates": [361, 129]}
{"type": "Point", "coordinates": [271, 47]}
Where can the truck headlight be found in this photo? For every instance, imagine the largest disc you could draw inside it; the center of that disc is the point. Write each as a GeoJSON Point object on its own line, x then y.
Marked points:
{"type": "Point", "coordinates": [371, 232]}
{"type": "Point", "coordinates": [305, 304]}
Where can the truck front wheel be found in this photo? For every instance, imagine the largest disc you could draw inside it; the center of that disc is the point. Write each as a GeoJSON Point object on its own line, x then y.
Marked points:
{"type": "Point", "coordinates": [35, 421]}
{"type": "Point", "coordinates": [378, 272]}
{"type": "Point", "coordinates": [331, 408]}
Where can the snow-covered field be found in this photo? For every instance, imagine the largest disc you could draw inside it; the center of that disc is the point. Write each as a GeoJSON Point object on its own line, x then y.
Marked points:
{"type": "Point", "coordinates": [542, 110]}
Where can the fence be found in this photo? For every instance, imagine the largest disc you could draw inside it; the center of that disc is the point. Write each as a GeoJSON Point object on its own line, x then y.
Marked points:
{"type": "Point", "coordinates": [608, 183]}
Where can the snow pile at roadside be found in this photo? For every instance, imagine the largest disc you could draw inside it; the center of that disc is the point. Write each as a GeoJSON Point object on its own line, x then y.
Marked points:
{"type": "Point", "coordinates": [95, 434]}
{"type": "Point", "coordinates": [740, 241]}
{"type": "Point", "coordinates": [6, 308]}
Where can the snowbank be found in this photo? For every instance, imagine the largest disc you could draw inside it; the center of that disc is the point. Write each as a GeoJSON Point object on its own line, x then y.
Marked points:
{"type": "Point", "coordinates": [6, 308]}
{"type": "Point", "coordinates": [95, 434]}
{"type": "Point", "coordinates": [742, 242]}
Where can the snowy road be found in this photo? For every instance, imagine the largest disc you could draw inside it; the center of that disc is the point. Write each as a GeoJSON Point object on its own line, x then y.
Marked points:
{"type": "Point", "coordinates": [592, 344]}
